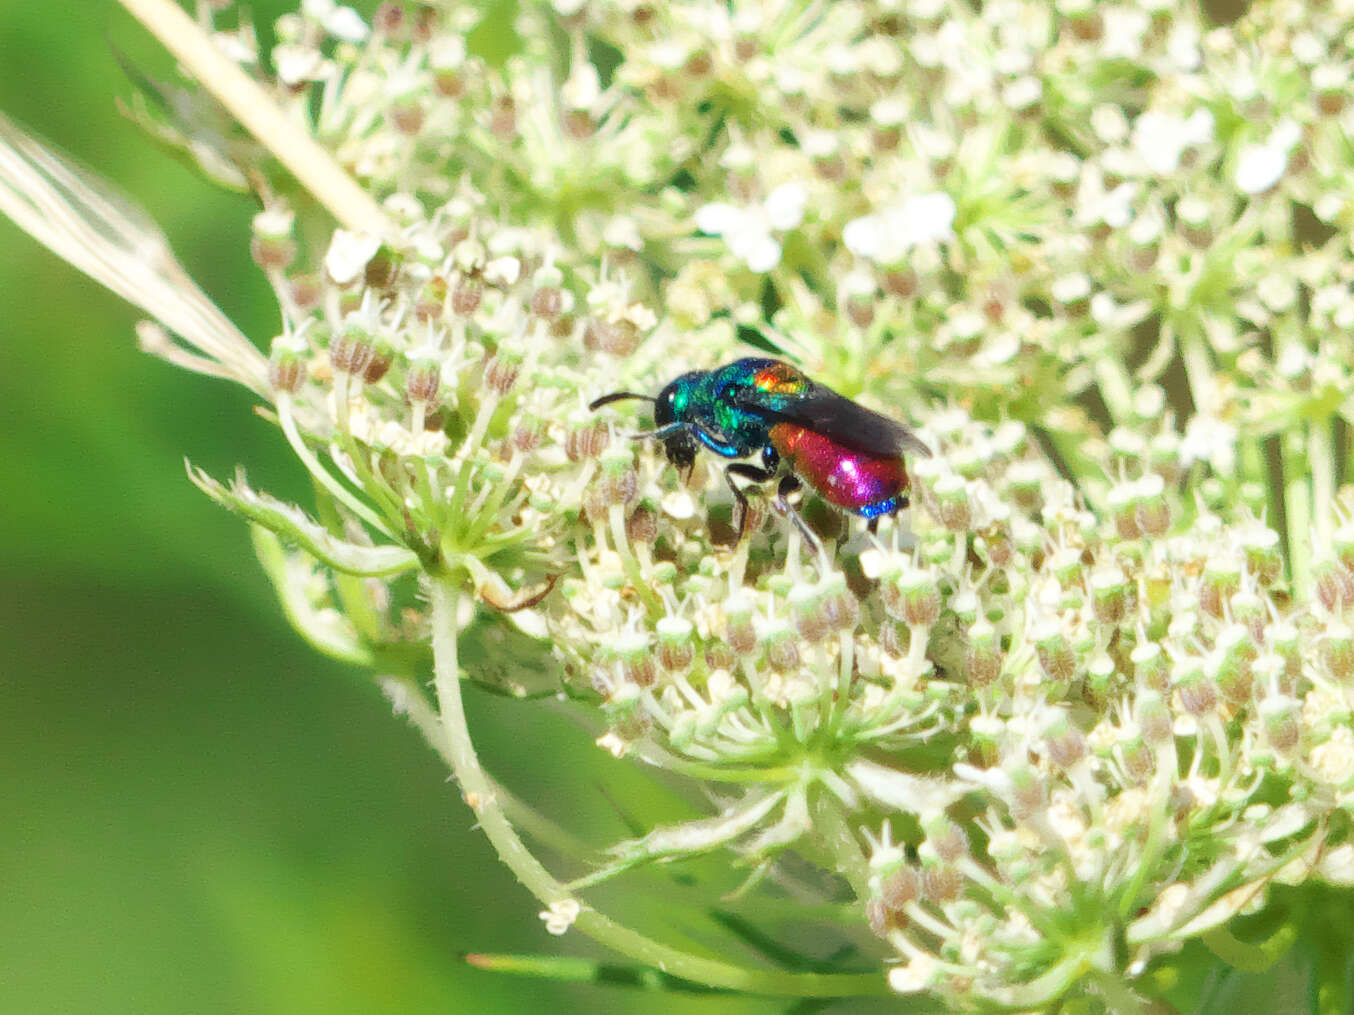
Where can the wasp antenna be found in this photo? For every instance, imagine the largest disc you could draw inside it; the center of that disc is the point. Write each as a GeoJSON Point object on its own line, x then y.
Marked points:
{"type": "Point", "coordinates": [616, 396]}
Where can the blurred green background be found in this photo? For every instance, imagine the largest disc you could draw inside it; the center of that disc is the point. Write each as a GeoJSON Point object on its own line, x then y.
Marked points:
{"type": "Point", "coordinates": [197, 813]}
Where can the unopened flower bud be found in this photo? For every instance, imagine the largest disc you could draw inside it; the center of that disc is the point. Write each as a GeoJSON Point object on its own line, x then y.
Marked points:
{"type": "Point", "coordinates": [806, 606]}
{"type": "Point", "coordinates": [952, 504]}
{"type": "Point", "coordinates": [619, 482]}
{"type": "Point", "coordinates": [913, 597]}
{"type": "Point", "coordinates": [985, 734]}
{"type": "Point", "coordinates": [1095, 685]}
{"type": "Point", "coordinates": [1261, 548]}
{"type": "Point", "coordinates": [1025, 484]}
{"type": "Point", "coordinates": [1028, 796]}
{"type": "Point", "coordinates": [466, 295]}
{"type": "Point", "coordinates": [1249, 611]}
{"type": "Point", "coordinates": [840, 607]}
{"type": "Point", "coordinates": [941, 882]}
{"type": "Point", "coordinates": [585, 437]}
{"type": "Point", "coordinates": [900, 887]}
{"type": "Point", "coordinates": [739, 632]}
{"type": "Point", "coordinates": [1337, 651]}
{"type": "Point", "coordinates": [286, 368]}
{"type": "Point", "coordinates": [1138, 759]}
{"type": "Point", "coordinates": [1231, 672]}
{"type": "Point", "coordinates": [1153, 717]}
{"type": "Point", "coordinates": [675, 643]}
{"type": "Point", "coordinates": [1279, 714]}
{"type": "Point", "coordinates": [407, 114]}
{"type": "Point", "coordinates": [1110, 594]}
{"type": "Point", "coordinates": [984, 655]}
{"type": "Point", "coordinates": [1283, 638]}
{"type": "Point", "coordinates": [547, 301]}
{"type": "Point", "coordinates": [782, 653]}
{"type": "Point", "coordinates": [617, 338]}
{"type": "Point", "coordinates": [1222, 577]}
{"type": "Point", "coordinates": [1065, 743]}
{"type": "Point", "coordinates": [1150, 665]}
{"type": "Point", "coordinates": [424, 376]}
{"type": "Point", "coordinates": [642, 525]}
{"type": "Point", "coordinates": [431, 299]}
{"type": "Point", "coordinates": [382, 357]}
{"type": "Point", "coordinates": [1198, 696]}
{"type": "Point", "coordinates": [1054, 652]}
{"type": "Point", "coordinates": [636, 660]}
{"type": "Point", "coordinates": [1334, 585]}
{"type": "Point", "coordinates": [1153, 509]}
{"type": "Point", "coordinates": [271, 244]}
{"type": "Point", "coordinates": [894, 638]}
{"type": "Point", "coordinates": [1342, 542]}
{"type": "Point", "coordinates": [306, 291]}
{"type": "Point", "coordinates": [350, 349]}
{"type": "Point", "coordinates": [947, 841]}
{"type": "Point", "coordinates": [500, 373]}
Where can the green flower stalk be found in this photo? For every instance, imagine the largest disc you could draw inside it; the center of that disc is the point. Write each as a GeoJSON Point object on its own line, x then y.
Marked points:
{"type": "Point", "coordinates": [1049, 741]}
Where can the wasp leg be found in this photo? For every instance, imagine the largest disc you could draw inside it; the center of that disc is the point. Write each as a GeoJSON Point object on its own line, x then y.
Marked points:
{"type": "Point", "coordinates": [873, 526]}
{"type": "Point", "coordinates": [744, 471]}
{"type": "Point", "coordinates": [788, 485]}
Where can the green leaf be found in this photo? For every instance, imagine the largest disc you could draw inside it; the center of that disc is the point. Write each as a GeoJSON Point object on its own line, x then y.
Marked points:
{"type": "Point", "coordinates": [308, 603]}
{"type": "Point", "coordinates": [293, 525]}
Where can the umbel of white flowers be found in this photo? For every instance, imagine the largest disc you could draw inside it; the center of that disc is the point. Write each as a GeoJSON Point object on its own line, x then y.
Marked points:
{"type": "Point", "coordinates": [1084, 705]}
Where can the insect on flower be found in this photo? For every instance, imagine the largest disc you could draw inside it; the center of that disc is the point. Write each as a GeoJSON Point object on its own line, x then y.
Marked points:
{"type": "Point", "coordinates": [803, 431]}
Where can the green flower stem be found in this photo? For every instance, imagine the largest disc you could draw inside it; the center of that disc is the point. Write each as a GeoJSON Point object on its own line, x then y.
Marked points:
{"type": "Point", "coordinates": [1321, 461]}
{"type": "Point", "coordinates": [407, 698]}
{"type": "Point", "coordinates": [293, 146]}
{"type": "Point", "coordinates": [480, 793]}
{"type": "Point", "coordinates": [322, 475]}
{"type": "Point", "coordinates": [1297, 495]}
{"type": "Point", "coordinates": [616, 519]}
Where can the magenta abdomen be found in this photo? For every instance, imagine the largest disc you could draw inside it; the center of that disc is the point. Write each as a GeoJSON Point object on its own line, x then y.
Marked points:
{"type": "Point", "coordinates": [856, 481]}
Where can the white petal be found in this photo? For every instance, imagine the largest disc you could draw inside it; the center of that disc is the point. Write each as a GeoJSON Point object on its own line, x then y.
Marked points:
{"type": "Point", "coordinates": [785, 205]}
{"type": "Point", "coordinates": [346, 25]}
{"type": "Point", "coordinates": [1260, 167]}
{"type": "Point", "coordinates": [348, 255]}
{"type": "Point", "coordinates": [763, 255]}
{"type": "Point", "coordinates": [718, 218]}
{"type": "Point", "coordinates": [862, 236]}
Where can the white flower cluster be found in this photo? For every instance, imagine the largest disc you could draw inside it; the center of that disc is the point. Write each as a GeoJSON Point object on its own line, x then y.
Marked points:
{"type": "Point", "coordinates": [1088, 706]}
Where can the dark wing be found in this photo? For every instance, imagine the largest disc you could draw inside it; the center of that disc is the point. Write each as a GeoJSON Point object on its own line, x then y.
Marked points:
{"type": "Point", "coordinates": [820, 409]}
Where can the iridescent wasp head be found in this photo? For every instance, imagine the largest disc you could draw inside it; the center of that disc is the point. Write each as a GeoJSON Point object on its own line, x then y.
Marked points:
{"type": "Point", "coordinates": [668, 409]}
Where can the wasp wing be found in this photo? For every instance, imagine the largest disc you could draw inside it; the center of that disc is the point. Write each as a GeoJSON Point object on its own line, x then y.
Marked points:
{"type": "Point", "coordinates": [818, 408]}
